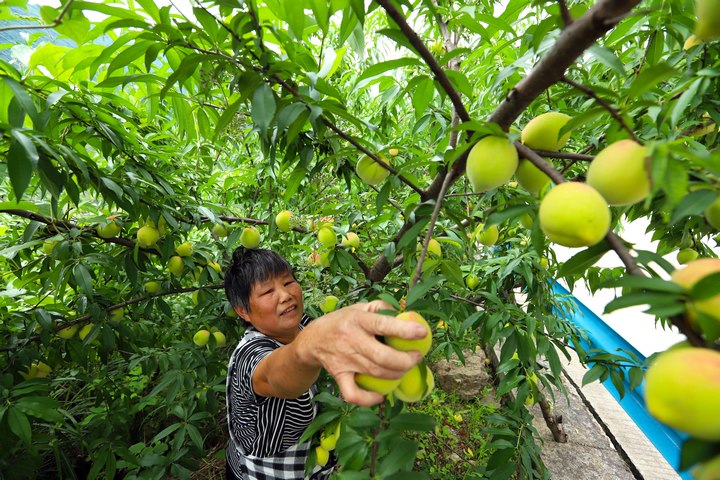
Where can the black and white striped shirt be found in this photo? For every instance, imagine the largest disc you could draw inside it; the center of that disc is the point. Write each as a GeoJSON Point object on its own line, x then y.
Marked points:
{"type": "Point", "coordinates": [264, 431]}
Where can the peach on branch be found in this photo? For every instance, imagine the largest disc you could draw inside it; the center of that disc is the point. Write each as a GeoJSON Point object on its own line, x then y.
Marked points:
{"type": "Point", "coordinates": [176, 266]}
{"type": "Point", "coordinates": [283, 220]}
{"type": "Point", "coordinates": [68, 332]}
{"type": "Point", "coordinates": [351, 240]}
{"type": "Point", "coordinates": [691, 41]}
{"type": "Point", "coordinates": [682, 390]}
{"type": "Point", "coordinates": [574, 214]}
{"type": "Point", "coordinates": [688, 276]}
{"type": "Point", "coordinates": [109, 229]}
{"type": "Point", "coordinates": [321, 455]}
{"type": "Point", "coordinates": [712, 214]}
{"type": "Point", "coordinates": [707, 26]}
{"type": "Point", "coordinates": [370, 171]}
{"type": "Point", "coordinates": [117, 314]}
{"type": "Point", "coordinates": [147, 236]}
{"type": "Point", "coordinates": [85, 331]}
{"type": "Point", "coordinates": [491, 162]}
{"type": "Point", "coordinates": [619, 172]}
{"type": "Point", "coordinates": [326, 236]}
{"type": "Point", "coordinates": [709, 470]}
{"type": "Point", "coordinates": [376, 384]}
{"type": "Point", "coordinates": [415, 384]}
{"type": "Point", "coordinates": [185, 249]}
{"type": "Point", "coordinates": [488, 236]}
{"type": "Point", "coordinates": [687, 255]}
{"type": "Point", "coordinates": [530, 177]}
{"type": "Point", "coordinates": [329, 303]}
{"type": "Point", "coordinates": [201, 338]}
{"type": "Point", "coordinates": [48, 246]}
{"type": "Point", "coordinates": [220, 339]}
{"type": "Point", "coordinates": [434, 250]}
{"type": "Point", "coordinates": [472, 281]}
{"type": "Point", "coordinates": [543, 132]}
{"type": "Point", "coordinates": [152, 287]}
{"type": "Point", "coordinates": [219, 230]}
{"type": "Point", "coordinates": [250, 237]}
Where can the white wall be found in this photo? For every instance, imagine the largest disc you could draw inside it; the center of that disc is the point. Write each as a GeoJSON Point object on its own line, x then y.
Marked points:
{"type": "Point", "coordinates": [631, 323]}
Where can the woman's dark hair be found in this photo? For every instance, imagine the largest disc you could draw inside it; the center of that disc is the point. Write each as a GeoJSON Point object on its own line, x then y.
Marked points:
{"type": "Point", "coordinates": [249, 266]}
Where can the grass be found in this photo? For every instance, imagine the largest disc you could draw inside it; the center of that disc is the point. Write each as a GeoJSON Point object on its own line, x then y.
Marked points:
{"type": "Point", "coordinates": [457, 444]}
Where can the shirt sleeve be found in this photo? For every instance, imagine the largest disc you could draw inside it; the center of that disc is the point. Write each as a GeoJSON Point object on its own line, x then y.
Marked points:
{"type": "Point", "coordinates": [248, 358]}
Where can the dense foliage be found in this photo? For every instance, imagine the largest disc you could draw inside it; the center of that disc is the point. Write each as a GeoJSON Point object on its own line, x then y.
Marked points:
{"type": "Point", "coordinates": [233, 111]}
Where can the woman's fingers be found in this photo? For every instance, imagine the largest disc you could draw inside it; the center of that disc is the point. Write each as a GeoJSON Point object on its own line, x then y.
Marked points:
{"type": "Point", "coordinates": [351, 393]}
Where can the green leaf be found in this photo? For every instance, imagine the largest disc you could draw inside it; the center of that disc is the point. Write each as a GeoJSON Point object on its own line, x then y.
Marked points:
{"type": "Point", "coordinates": [694, 203]}
{"type": "Point", "coordinates": [424, 94]}
{"type": "Point", "coordinates": [706, 288]}
{"type": "Point", "coordinates": [418, 422]}
{"type": "Point", "coordinates": [19, 167]}
{"type": "Point", "coordinates": [23, 99]}
{"type": "Point", "coordinates": [608, 58]}
{"type": "Point", "coordinates": [45, 408]}
{"type": "Point", "coordinates": [496, 218]}
{"type": "Point", "coordinates": [195, 436]}
{"type": "Point", "coordinates": [401, 457]}
{"type": "Point", "coordinates": [263, 107]}
{"type": "Point", "coordinates": [595, 372]}
{"type": "Point", "coordinates": [131, 53]}
{"type": "Point", "coordinates": [684, 101]}
{"type": "Point", "coordinates": [83, 278]}
{"type": "Point", "coordinates": [412, 233]}
{"type": "Point", "coordinates": [420, 289]}
{"type": "Point", "coordinates": [461, 83]}
{"type": "Point", "coordinates": [295, 16]}
{"type": "Point", "coordinates": [321, 13]}
{"type": "Point", "coordinates": [634, 281]}
{"type": "Point", "coordinates": [227, 116]}
{"type": "Point", "coordinates": [583, 260]}
{"type": "Point", "coordinates": [632, 299]}
{"type": "Point", "coordinates": [19, 425]}
{"type": "Point", "coordinates": [694, 451]}
{"type": "Point", "coordinates": [383, 67]}
{"type": "Point", "coordinates": [649, 78]}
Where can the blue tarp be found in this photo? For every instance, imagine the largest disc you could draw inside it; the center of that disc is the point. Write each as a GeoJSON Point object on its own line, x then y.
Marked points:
{"type": "Point", "coordinates": [600, 335]}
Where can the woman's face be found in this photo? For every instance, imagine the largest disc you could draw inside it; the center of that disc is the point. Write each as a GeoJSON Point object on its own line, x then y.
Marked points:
{"type": "Point", "coordinates": [276, 307]}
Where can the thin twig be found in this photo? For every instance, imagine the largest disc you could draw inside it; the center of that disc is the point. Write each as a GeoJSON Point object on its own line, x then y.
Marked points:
{"type": "Point", "coordinates": [62, 225]}
{"type": "Point", "coordinates": [613, 111]}
{"type": "Point", "coordinates": [431, 229]}
{"type": "Point", "coordinates": [565, 155]}
{"type": "Point", "coordinates": [679, 321]}
{"type": "Point", "coordinates": [54, 23]}
{"type": "Point", "coordinates": [565, 13]}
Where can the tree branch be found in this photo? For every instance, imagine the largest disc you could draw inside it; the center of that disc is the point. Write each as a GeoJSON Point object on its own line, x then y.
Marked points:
{"type": "Point", "coordinates": [679, 321]}
{"type": "Point", "coordinates": [538, 161]}
{"type": "Point", "coordinates": [571, 43]}
{"type": "Point", "coordinates": [429, 58]}
{"type": "Point", "coordinates": [59, 226]}
{"type": "Point", "coordinates": [289, 88]}
{"type": "Point", "coordinates": [109, 309]}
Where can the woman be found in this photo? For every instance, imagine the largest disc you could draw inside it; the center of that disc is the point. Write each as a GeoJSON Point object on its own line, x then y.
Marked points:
{"type": "Point", "coordinates": [273, 370]}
